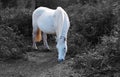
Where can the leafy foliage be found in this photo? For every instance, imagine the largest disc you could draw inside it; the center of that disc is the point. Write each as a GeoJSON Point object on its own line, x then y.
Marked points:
{"type": "Point", "coordinates": [92, 21]}
{"type": "Point", "coordinates": [11, 44]}
{"type": "Point", "coordinates": [19, 19]}
{"type": "Point", "coordinates": [47, 3]}
{"type": "Point", "coordinates": [103, 58]}
{"type": "Point", "coordinates": [93, 35]}
{"type": "Point", "coordinates": [99, 25]}
{"type": "Point", "coordinates": [15, 26]}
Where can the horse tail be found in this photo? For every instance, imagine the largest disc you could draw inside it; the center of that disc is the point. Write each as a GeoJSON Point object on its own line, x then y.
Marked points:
{"type": "Point", "coordinates": [59, 18]}
{"type": "Point", "coordinates": [38, 37]}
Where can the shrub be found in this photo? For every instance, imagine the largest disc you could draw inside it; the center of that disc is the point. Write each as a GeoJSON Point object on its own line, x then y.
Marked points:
{"type": "Point", "coordinates": [23, 23]}
{"type": "Point", "coordinates": [92, 21]}
{"type": "Point", "coordinates": [47, 3]}
{"type": "Point", "coordinates": [8, 3]}
{"type": "Point", "coordinates": [20, 20]}
{"type": "Point", "coordinates": [15, 26]}
{"type": "Point", "coordinates": [11, 45]}
{"type": "Point", "coordinates": [98, 22]}
{"type": "Point", "coordinates": [104, 58]}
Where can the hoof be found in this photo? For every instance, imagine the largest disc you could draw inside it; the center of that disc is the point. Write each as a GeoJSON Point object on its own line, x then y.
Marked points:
{"type": "Point", "coordinates": [60, 60]}
{"type": "Point", "coordinates": [47, 50]}
{"type": "Point", "coordinates": [35, 48]}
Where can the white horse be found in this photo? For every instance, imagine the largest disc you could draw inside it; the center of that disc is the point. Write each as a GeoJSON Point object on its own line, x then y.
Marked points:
{"type": "Point", "coordinates": [51, 21]}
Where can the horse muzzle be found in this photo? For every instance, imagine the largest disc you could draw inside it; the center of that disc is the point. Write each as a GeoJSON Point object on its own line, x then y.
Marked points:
{"type": "Point", "coordinates": [60, 60]}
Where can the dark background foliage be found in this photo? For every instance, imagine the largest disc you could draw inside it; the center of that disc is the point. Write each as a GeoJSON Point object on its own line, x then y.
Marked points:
{"type": "Point", "coordinates": [93, 38]}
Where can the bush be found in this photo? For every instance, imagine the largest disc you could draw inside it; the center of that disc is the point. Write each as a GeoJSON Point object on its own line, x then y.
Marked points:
{"type": "Point", "coordinates": [20, 20]}
{"type": "Point", "coordinates": [100, 27]}
{"type": "Point", "coordinates": [47, 3]}
{"type": "Point", "coordinates": [102, 59]}
{"type": "Point", "coordinates": [8, 3]}
{"type": "Point", "coordinates": [92, 21]}
{"type": "Point", "coordinates": [88, 24]}
{"type": "Point", "coordinates": [15, 26]}
{"type": "Point", "coordinates": [11, 44]}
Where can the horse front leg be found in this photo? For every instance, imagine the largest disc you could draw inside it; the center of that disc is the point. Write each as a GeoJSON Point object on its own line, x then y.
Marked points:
{"type": "Point", "coordinates": [45, 41]}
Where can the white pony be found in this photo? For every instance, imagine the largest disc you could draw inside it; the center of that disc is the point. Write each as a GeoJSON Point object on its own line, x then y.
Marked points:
{"type": "Point", "coordinates": [51, 21]}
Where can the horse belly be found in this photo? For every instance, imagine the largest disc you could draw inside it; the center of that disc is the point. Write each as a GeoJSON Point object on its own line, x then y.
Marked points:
{"type": "Point", "coordinates": [46, 24]}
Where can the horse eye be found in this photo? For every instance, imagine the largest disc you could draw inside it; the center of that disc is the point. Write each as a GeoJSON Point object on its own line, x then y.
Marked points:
{"type": "Point", "coordinates": [65, 39]}
{"type": "Point", "coordinates": [64, 48]}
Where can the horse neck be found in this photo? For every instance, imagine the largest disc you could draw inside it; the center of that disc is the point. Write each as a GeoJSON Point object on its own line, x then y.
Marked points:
{"type": "Point", "coordinates": [63, 32]}
{"type": "Point", "coordinates": [63, 29]}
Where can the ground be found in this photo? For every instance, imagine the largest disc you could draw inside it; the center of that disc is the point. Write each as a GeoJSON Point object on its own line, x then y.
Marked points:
{"type": "Point", "coordinates": [37, 63]}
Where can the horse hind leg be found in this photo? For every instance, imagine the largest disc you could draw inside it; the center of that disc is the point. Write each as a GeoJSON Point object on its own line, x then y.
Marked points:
{"type": "Point", "coordinates": [34, 34]}
{"type": "Point", "coordinates": [34, 43]}
{"type": "Point", "coordinates": [45, 41]}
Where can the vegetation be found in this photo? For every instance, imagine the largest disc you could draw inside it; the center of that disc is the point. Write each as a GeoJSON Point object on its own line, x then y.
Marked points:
{"type": "Point", "coordinates": [95, 28]}
{"type": "Point", "coordinates": [93, 38]}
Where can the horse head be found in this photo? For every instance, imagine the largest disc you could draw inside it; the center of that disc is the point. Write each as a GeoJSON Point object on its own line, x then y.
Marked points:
{"type": "Point", "coordinates": [61, 48]}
